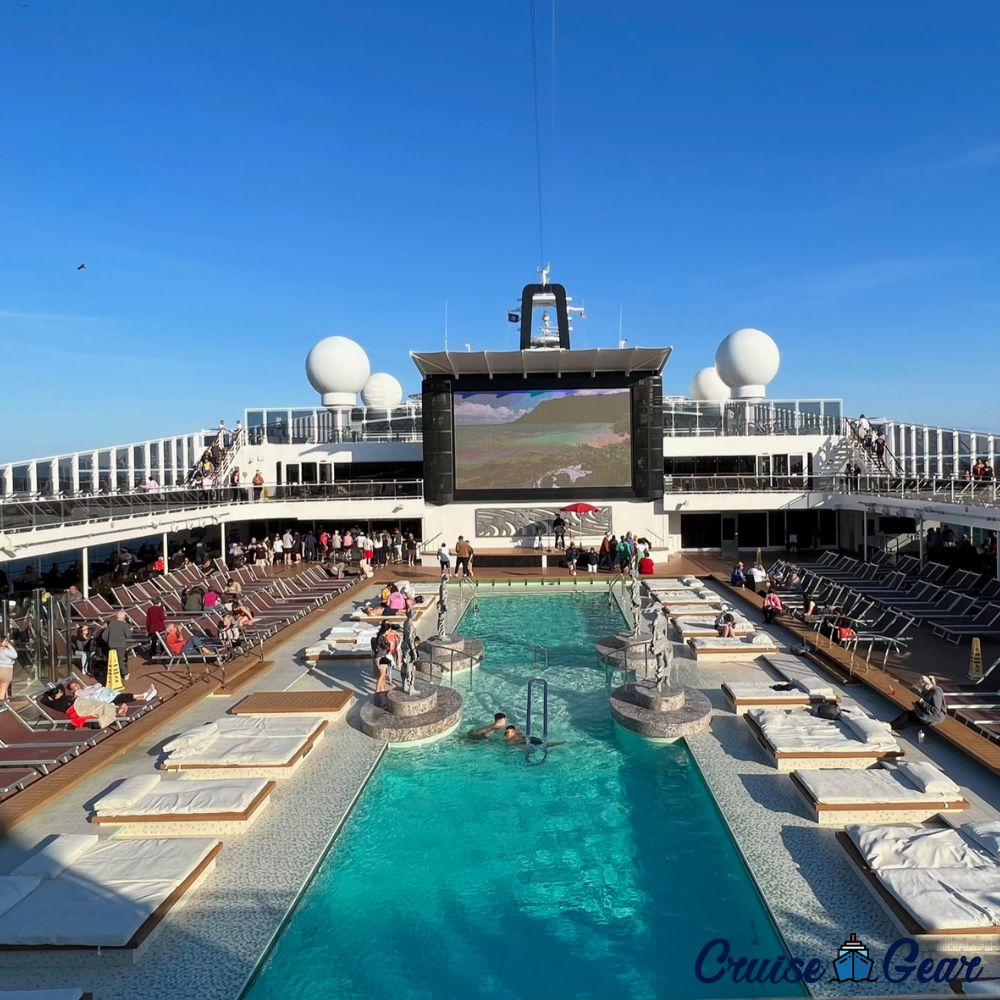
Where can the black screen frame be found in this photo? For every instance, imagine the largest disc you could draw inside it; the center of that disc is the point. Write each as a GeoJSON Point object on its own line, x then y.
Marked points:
{"type": "Point", "coordinates": [515, 383]}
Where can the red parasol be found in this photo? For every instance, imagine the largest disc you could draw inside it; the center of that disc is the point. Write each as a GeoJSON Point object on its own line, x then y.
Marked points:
{"type": "Point", "coordinates": [579, 508]}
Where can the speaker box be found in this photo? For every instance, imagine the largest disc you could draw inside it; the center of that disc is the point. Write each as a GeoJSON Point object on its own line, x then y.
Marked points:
{"type": "Point", "coordinates": [647, 438]}
{"type": "Point", "coordinates": [439, 447]}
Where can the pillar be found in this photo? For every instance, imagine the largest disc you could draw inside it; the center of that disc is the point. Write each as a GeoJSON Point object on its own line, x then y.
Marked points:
{"type": "Point", "coordinates": [166, 557]}
{"type": "Point", "coordinates": [864, 532]}
{"type": "Point", "coordinates": [85, 562]}
{"type": "Point", "coordinates": [222, 538]}
{"type": "Point", "coordinates": [920, 539]}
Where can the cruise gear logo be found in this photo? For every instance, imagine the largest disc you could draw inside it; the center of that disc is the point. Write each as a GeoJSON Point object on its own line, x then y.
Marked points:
{"type": "Point", "coordinates": [852, 964]}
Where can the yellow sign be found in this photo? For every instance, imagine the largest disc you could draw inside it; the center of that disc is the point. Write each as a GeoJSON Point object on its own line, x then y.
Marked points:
{"type": "Point", "coordinates": [976, 661]}
{"type": "Point", "coordinates": [114, 679]}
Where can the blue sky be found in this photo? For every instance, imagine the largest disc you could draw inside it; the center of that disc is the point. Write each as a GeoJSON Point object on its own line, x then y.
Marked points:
{"type": "Point", "coordinates": [242, 179]}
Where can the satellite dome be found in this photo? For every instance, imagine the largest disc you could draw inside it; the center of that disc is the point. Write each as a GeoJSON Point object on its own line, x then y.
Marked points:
{"type": "Point", "coordinates": [337, 368]}
{"type": "Point", "coordinates": [706, 385]}
{"type": "Point", "coordinates": [746, 361]}
{"type": "Point", "coordinates": [382, 391]}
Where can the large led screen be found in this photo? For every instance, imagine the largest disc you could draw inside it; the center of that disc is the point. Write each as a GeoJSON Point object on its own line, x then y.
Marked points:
{"type": "Point", "coordinates": [543, 439]}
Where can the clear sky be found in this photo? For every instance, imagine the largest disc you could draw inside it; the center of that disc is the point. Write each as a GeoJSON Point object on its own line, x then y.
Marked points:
{"type": "Point", "coordinates": [243, 178]}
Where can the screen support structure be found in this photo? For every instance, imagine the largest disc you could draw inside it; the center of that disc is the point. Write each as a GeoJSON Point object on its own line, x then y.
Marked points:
{"type": "Point", "coordinates": [558, 293]}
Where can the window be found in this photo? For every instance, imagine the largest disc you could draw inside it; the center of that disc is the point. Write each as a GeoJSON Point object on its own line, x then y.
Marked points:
{"type": "Point", "coordinates": [292, 477]}
{"type": "Point", "coordinates": [752, 530]}
{"type": "Point", "coordinates": [701, 531]}
{"type": "Point", "coordinates": [302, 432]}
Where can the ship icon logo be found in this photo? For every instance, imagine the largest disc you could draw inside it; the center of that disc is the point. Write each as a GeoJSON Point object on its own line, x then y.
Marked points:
{"type": "Point", "coordinates": [853, 964]}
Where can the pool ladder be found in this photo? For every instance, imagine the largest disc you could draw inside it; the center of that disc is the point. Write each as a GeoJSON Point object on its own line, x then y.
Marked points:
{"type": "Point", "coordinates": [529, 747]}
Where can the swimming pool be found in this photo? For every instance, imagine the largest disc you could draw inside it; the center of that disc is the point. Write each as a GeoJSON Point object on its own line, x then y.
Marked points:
{"type": "Point", "coordinates": [463, 872]}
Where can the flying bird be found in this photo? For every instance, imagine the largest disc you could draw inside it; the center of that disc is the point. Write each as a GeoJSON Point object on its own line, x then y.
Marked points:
{"type": "Point", "coordinates": [81, 267]}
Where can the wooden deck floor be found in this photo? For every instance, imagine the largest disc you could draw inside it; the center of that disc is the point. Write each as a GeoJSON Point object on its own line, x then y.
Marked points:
{"type": "Point", "coordinates": [285, 702]}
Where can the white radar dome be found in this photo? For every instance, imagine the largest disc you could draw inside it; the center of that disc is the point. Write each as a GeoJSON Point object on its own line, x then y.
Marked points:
{"type": "Point", "coordinates": [746, 361]}
{"type": "Point", "coordinates": [382, 391]}
{"type": "Point", "coordinates": [337, 368]}
{"type": "Point", "coordinates": [706, 385]}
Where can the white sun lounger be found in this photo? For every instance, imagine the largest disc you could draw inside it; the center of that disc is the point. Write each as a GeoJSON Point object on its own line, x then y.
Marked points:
{"type": "Point", "coordinates": [245, 746]}
{"type": "Point", "coordinates": [737, 648]}
{"type": "Point", "coordinates": [80, 896]}
{"type": "Point", "coordinates": [808, 687]}
{"type": "Point", "coordinates": [904, 792]}
{"type": "Point", "coordinates": [693, 626]}
{"type": "Point", "coordinates": [339, 650]}
{"type": "Point", "coordinates": [151, 806]}
{"type": "Point", "coordinates": [745, 695]}
{"type": "Point", "coordinates": [933, 882]}
{"type": "Point", "coordinates": [795, 740]}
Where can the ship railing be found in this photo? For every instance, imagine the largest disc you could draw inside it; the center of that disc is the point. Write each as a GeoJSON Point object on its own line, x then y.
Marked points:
{"type": "Point", "coordinates": [22, 514]}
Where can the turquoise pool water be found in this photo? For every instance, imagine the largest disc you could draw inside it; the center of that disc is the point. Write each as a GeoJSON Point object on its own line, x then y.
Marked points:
{"type": "Point", "coordinates": [465, 873]}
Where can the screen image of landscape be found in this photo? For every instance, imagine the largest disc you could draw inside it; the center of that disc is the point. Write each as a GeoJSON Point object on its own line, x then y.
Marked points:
{"type": "Point", "coordinates": [543, 439]}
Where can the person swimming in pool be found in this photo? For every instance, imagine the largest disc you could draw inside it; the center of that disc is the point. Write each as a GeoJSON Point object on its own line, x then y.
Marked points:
{"type": "Point", "coordinates": [498, 724]}
{"type": "Point", "coordinates": [513, 735]}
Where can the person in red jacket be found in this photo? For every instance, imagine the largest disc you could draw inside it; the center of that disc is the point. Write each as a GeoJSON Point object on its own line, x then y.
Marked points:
{"type": "Point", "coordinates": [156, 622]}
{"type": "Point", "coordinates": [645, 564]}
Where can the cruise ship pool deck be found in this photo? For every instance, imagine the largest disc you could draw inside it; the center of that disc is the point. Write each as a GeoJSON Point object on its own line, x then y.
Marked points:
{"type": "Point", "coordinates": [458, 869]}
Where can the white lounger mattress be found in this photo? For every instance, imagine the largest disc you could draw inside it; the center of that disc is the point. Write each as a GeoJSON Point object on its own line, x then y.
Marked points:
{"type": "Point", "coordinates": [171, 796]}
{"type": "Point", "coordinates": [947, 899]}
{"type": "Point", "coordinates": [237, 726]}
{"type": "Point", "coordinates": [239, 751]}
{"type": "Point", "coordinates": [102, 896]}
{"type": "Point", "coordinates": [762, 690]}
{"type": "Point", "coordinates": [799, 673]}
{"type": "Point", "coordinates": [880, 784]}
{"type": "Point", "coordinates": [886, 848]}
{"type": "Point", "coordinates": [701, 623]}
{"type": "Point", "coordinates": [741, 644]}
{"type": "Point", "coordinates": [798, 731]}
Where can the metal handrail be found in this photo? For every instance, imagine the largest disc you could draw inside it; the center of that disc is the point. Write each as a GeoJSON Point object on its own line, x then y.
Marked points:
{"type": "Point", "coordinates": [545, 718]}
{"type": "Point", "coordinates": [540, 652]}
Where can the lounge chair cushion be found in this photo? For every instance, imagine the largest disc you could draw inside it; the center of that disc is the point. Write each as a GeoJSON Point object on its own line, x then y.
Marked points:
{"type": "Point", "coordinates": [867, 729]}
{"type": "Point", "coordinates": [13, 888]}
{"type": "Point", "coordinates": [104, 896]}
{"type": "Point", "coordinates": [233, 726]}
{"type": "Point", "coordinates": [252, 751]}
{"type": "Point", "coordinates": [986, 835]}
{"type": "Point", "coordinates": [845, 786]}
{"type": "Point", "coordinates": [951, 899]}
{"type": "Point", "coordinates": [187, 798]}
{"type": "Point", "coordinates": [57, 855]}
{"type": "Point", "coordinates": [886, 847]}
{"type": "Point", "coordinates": [126, 792]}
{"type": "Point", "coordinates": [927, 778]}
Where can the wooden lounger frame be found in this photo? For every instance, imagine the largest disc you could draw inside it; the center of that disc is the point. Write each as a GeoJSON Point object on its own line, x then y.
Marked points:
{"type": "Point", "coordinates": [902, 916]}
{"type": "Point", "coordinates": [797, 699]}
{"type": "Point", "coordinates": [792, 755]}
{"type": "Point", "coordinates": [299, 754]}
{"type": "Point", "coordinates": [220, 817]}
{"type": "Point", "coordinates": [145, 929]}
{"type": "Point", "coordinates": [931, 805]}
{"type": "Point", "coordinates": [757, 650]}
{"type": "Point", "coordinates": [329, 702]}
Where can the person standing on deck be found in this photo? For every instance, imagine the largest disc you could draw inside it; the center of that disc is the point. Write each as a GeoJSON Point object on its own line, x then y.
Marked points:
{"type": "Point", "coordinates": [559, 531]}
{"type": "Point", "coordinates": [116, 636]}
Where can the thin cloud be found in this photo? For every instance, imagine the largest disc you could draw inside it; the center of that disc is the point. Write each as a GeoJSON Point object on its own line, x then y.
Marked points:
{"type": "Point", "coordinates": [867, 275]}
{"type": "Point", "coordinates": [987, 155]}
{"type": "Point", "coordinates": [40, 317]}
